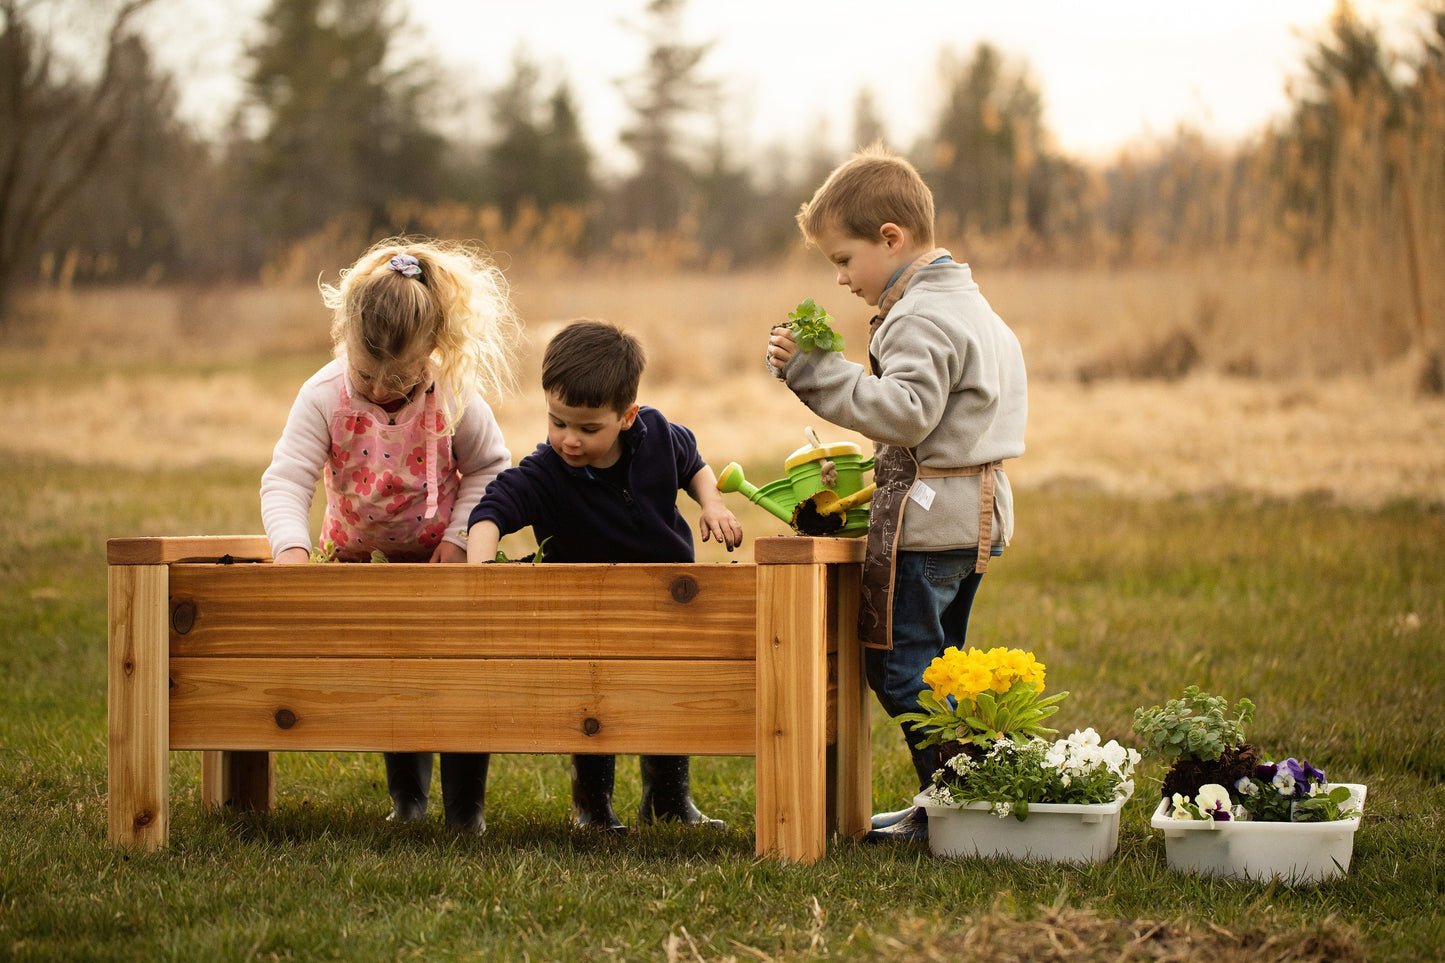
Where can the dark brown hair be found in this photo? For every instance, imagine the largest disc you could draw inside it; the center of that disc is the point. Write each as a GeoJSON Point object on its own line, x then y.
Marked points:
{"type": "Point", "coordinates": [593, 364]}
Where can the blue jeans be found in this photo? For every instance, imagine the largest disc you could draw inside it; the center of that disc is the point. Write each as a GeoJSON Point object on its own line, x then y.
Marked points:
{"type": "Point", "coordinates": [932, 597]}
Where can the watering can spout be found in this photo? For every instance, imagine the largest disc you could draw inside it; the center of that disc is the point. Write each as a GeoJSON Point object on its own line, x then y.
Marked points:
{"type": "Point", "coordinates": [731, 480]}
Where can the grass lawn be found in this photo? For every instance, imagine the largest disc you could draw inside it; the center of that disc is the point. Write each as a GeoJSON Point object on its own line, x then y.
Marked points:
{"type": "Point", "coordinates": [1332, 620]}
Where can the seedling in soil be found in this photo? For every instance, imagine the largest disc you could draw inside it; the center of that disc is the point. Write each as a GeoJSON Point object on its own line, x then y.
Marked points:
{"type": "Point", "coordinates": [811, 327]}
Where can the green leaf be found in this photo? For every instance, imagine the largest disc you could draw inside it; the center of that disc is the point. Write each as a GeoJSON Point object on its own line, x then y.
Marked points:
{"type": "Point", "coordinates": [811, 328]}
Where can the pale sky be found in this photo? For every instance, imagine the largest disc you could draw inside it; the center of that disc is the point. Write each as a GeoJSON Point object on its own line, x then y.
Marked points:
{"type": "Point", "coordinates": [1110, 71]}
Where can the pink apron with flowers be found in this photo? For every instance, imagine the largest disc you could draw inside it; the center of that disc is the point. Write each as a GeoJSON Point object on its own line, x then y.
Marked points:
{"type": "Point", "coordinates": [389, 487]}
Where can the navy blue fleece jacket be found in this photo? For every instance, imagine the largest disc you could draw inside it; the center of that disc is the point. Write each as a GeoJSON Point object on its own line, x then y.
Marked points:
{"type": "Point", "coordinates": [586, 519]}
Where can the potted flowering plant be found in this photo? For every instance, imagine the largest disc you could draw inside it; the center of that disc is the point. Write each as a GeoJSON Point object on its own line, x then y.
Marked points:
{"type": "Point", "coordinates": [985, 711]}
{"type": "Point", "coordinates": [975, 698]}
{"type": "Point", "coordinates": [1279, 819]}
{"type": "Point", "coordinates": [1201, 736]}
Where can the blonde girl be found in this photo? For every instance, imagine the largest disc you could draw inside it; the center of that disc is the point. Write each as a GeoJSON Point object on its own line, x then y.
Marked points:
{"type": "Point", "coordinates": [396, 429]}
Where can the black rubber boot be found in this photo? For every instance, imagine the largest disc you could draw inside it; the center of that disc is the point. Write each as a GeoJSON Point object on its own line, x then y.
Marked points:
{"type": "Point", "coordinates": [667, 795]}
{"type": "Point", "coordinates": [408, 781]}
{"type": "Point", "coordinates": [464, 790]}
{"type": "Point", "coordinates": [592, 778]}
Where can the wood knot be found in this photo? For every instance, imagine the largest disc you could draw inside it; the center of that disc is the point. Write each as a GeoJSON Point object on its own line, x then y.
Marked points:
{"type": "Point", "coordinates": [590, 726]}
{"type": "Point", "coordinates": [183, 616]}
{"type": "Point", "coordinates": [683, 589]}
{"type": "Point", "coordinates": [285, 718]}
{"type": "Point", "coordinates": [128, 667]}
{"type": "Point", "coordinates": [144, 818]}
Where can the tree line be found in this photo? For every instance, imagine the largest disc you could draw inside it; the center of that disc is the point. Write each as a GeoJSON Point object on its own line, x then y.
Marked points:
{"type": "Point", "coordinates": [338, 140]}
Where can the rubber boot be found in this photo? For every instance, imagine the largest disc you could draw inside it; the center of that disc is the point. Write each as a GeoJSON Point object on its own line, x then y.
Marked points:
{"type": "Point", "coordinates": [408, 781]}
{"type": "Point", "coordinates": [666, 793]}
{"type": "Point", "coordinates": [592, 778]}
{"type": "Point", "coordinates": [464, 790]}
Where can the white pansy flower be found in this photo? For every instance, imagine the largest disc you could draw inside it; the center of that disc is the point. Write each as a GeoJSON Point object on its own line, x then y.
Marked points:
{"type": "Point", "coordinates": [1212, 798]}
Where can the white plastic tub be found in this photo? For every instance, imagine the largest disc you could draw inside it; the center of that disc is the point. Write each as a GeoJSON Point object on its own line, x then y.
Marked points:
{"type": "Point", "coordinates": [1052, 832]}
{"type": "Point", "coordinates": [1295, 853]}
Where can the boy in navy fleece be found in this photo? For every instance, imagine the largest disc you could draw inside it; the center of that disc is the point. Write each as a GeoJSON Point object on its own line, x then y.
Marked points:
{"type": "Point", "coordinates": [603, 488]}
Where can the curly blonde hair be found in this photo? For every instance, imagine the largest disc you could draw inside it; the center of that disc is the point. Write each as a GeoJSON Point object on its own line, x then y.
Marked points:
{"type": "Point", "coordinates": [455, 306]}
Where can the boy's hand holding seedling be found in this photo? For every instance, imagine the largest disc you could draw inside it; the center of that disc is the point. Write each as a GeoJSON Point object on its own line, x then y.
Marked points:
{"type": "Point", "coordinates": [808, 328]}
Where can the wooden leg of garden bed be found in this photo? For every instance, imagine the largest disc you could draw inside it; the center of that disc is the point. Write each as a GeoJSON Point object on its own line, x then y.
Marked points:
{"type": "Point", "coordinates": [242, 780]}
{"type": "Point", "coordinates": [137, 690]}
{"type": "Point", "coordinates": [853, 748]}
{"type": "Point", "coordinates": [792, 701]}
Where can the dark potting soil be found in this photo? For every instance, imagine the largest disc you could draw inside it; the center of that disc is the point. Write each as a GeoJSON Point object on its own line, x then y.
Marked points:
{"type": "Point", "coordinates": [1187, 775]}
{"type": "Point", "coordinates": [810, 521]}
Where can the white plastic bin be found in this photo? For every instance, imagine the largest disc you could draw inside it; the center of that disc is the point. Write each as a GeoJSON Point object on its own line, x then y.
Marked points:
{"type": "Point", "coordinates": [1296, 853]}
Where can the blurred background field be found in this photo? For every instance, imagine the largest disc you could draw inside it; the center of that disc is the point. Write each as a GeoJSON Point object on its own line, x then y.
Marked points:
{"type": "Point", "coordinates": [172, 379]}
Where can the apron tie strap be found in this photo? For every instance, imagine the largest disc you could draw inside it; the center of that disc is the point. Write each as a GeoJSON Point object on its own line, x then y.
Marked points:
{"type": "Point", "coordinates": [429, 415]}
{"type": "Point", "coordinates": [987, 485]}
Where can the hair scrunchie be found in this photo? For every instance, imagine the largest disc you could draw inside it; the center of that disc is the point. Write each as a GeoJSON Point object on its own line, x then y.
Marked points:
{"type": "Point", "coordinates": [405, 265]}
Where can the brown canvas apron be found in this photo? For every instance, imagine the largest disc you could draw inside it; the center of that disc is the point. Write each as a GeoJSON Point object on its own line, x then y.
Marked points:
{"type": "Point", "coordinates": [895, 471]}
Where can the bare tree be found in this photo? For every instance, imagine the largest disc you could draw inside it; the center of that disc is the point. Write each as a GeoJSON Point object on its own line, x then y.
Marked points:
{"type": "Point", "coordinates": [55, 130]}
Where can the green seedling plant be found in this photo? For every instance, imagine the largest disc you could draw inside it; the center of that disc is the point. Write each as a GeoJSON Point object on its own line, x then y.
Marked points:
{"type": "Point", "coordinates": [812, 328]}
{"type": "Point", "coordinates": [1195, 726]}
{"type": "Point", "coordinates": [325, 554]}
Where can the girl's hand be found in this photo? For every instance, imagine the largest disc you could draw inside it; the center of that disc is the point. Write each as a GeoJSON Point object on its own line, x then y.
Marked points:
{"type": "Point", "coordinates": [447, 553]}
{"type": "Point", "coordinates": [719, 524]}
{"type": "Point", "coordinates": [295, 555]}
{"type": "Point", "coordinates": [781, 347]}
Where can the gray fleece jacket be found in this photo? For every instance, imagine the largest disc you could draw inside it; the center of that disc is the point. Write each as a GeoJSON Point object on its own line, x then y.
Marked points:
{"type": "Point", "coordinates": [950, 384]}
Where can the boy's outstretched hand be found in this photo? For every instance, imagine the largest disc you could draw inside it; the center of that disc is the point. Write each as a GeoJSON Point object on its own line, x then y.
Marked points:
{"type": "Point", "coordinates": [780, 347]}
{"type": "Point", "coordinates": [720, 525]}
{"type": "Point", "coordinates": [716, 522]}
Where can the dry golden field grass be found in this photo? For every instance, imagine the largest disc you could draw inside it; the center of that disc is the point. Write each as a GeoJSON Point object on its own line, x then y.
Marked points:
{"type": "Point", "coordinates": [1280, 394]}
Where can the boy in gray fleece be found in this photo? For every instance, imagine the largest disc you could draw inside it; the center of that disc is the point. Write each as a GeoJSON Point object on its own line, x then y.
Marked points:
{"type": "Point", "coordinates": [944, 399]}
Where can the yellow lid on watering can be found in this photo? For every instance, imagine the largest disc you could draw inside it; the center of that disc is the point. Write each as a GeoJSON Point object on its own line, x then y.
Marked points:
{"type": "Point", "coordinates": [815, 452]}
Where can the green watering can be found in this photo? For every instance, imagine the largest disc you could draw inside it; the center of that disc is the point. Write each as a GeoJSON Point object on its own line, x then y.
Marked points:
{"type": "Point", "coordinates": [821, 494]}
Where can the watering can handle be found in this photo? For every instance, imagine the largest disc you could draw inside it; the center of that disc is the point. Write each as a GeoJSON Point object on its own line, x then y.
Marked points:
{"type": "Point", "coordinates": [854, 500]}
